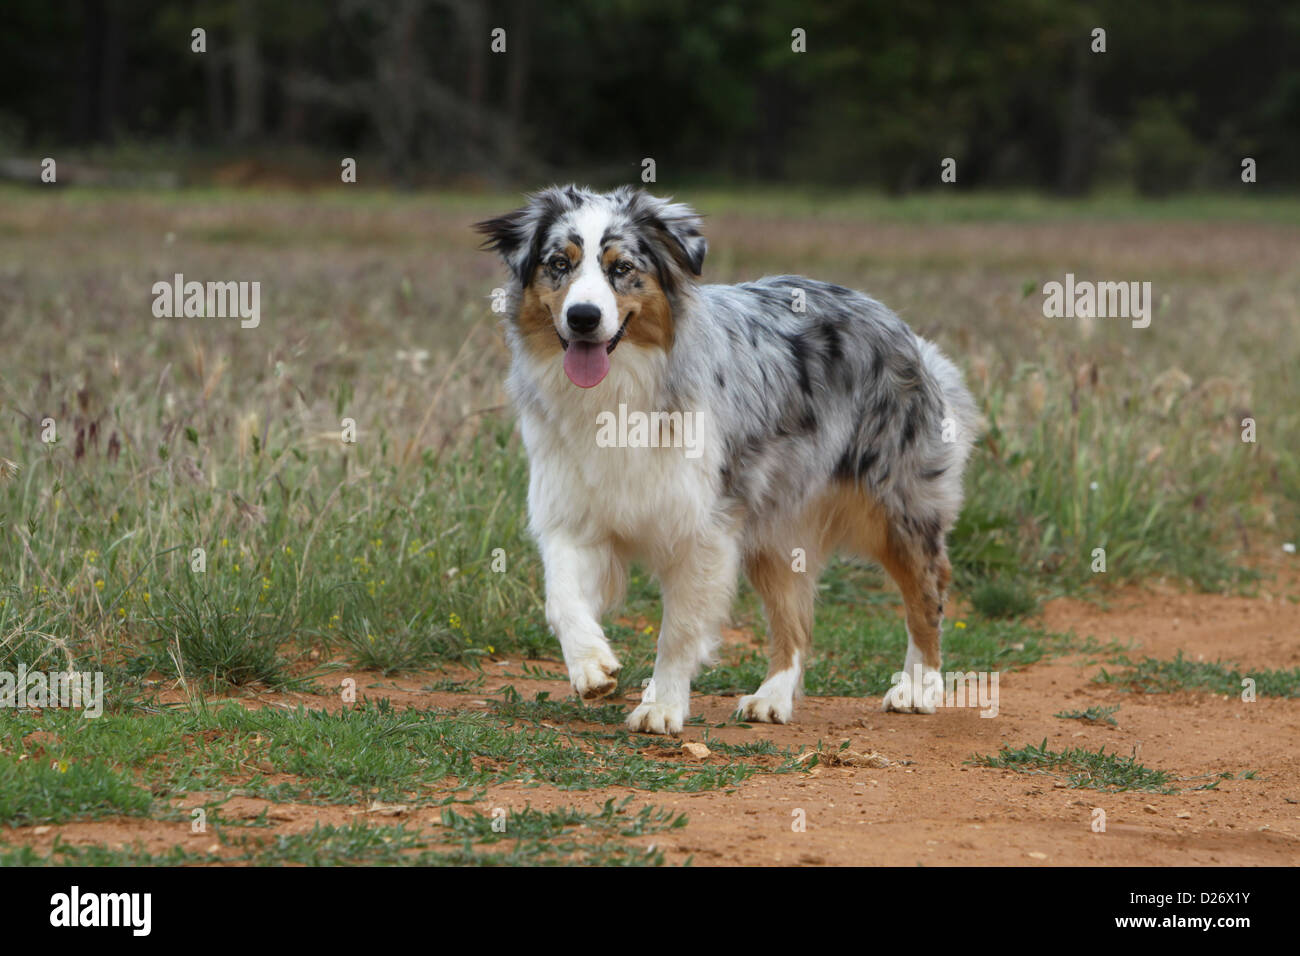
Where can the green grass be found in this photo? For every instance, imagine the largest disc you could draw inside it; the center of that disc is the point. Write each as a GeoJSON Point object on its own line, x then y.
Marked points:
{"type": "Point", "coordinates": [565, 836]}
{"type": "Point", "coordinates": [1080, 768]}
{"type": "Point", "coordinates": [1070, 502]}
{"type": "Point", "coordinates": [1153, 675]}
{"type": "Point", "coordinates": [50, 790]}
{"type": "Point", "coordinates": [1095, 715]}
{"type": "Point", "coordinates": [372, 752]}
{"type": "Point", "coordinates": [1003, 598]}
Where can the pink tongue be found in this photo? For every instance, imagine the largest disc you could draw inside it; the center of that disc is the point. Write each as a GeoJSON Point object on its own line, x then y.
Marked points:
{"type": "Point", "coordinates": [586, 363]}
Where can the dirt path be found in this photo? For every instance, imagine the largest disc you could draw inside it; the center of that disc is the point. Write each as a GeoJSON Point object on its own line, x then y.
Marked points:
{"type": "Point", "coordinates": [928, 806]}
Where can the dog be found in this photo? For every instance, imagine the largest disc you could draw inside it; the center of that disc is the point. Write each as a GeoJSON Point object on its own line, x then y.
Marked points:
{"type": "Point", "coordinates": [822, 424]}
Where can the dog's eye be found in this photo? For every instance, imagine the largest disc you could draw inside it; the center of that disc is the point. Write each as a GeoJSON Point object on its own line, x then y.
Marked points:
{"type": "Point", "coordinates": [623, 268]}
{"type": "Point", "coordinates": [559, 264]}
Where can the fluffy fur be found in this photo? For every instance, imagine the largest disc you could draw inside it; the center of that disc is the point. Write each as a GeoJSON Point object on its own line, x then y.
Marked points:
{"type": "Point", "coordinates": [823, 423]}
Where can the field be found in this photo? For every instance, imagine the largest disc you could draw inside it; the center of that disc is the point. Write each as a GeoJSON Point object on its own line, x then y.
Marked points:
{"type": "Point", "coordinates": [316, 651]}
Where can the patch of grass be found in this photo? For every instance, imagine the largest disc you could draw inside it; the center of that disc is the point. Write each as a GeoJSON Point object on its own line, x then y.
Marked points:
{"type": "Point", "coordinates": [218, 637]}
{"type": "Point", "coordinates": [91, 854]}
{"type": "Point", "coordinates": [542, 708]}
{"type": "Point", "coordinates": [1095, 714]}
{"type": "Point", "coordinates": [1002, 598]}
{"type": "Point", "coordinates": [365, 753]}
{"type": "Point", "coordinates": [1154, 675]}
{"type": "Point", "coordinates": [56, 791]}
{"type": "Point", "coordinates": [565, 836]}
{"type": "Point", "coordinates": [1075, 498]}
{"type": "Point", "coordinates": [1086, 769]}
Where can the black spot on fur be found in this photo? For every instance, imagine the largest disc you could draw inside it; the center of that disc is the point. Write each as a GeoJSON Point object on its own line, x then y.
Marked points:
{"type": "Point", "coordinates": [866, 460]}
{"type": "Point", "coordinates": [834, 344]}
{"type": "Point", "coordinates": [909, 432]}
{"type": "Point", "coordinates": [798, 353]}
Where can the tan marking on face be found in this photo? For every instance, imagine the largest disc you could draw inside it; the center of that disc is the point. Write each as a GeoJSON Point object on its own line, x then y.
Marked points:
{"type": "Point", "coordinates": [540, 302]}
{"type": "Point", "coordinates": [651, 325]}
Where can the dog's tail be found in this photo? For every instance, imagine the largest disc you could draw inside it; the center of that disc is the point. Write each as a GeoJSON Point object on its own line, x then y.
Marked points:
{"type": "Point", "coordinates": [961, 425]}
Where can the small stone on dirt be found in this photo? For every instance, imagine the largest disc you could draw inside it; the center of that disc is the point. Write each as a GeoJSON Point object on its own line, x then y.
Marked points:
{"type": "Point", "coordinates": [695, 751]}
{"type": "Point", "coordinates": [387, 809]}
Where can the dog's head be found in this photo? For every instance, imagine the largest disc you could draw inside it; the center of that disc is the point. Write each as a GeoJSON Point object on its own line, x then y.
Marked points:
{"type": "Point", "coordinates": [595, 270]}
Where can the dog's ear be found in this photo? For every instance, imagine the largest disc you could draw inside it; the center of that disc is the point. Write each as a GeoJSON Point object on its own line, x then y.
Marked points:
{"type": "Point", "coordinates": [682, 225]}
{"type": "Point", "coordinates": [676, 229]}
{"type": "Point", "coordinates": [517, 236]}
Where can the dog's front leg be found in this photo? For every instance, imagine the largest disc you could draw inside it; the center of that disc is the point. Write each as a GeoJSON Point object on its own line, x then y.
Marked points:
{"type": "Point", "coordinates": [698, 586]}
{"type": "Point", "coordinates": [579, 579]}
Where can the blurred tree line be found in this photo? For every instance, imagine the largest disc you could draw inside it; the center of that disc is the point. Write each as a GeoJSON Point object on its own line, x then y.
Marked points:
{"type": "Point", "coordinates": [711, 90]}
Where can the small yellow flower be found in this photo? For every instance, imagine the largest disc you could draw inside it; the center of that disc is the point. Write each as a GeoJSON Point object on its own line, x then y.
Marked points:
{"type": "Point", "coordinates": [288, 550]}
{"type": "Point", "coordinates": [960, 625]}
{"type": "Point", "coordinates": [454, 621]}
{"type": "Point", "coordinates": [649, 629]}
{"type": "Point", "coordinates": [225, 542]}
{"type": "Point", "coordinates": [236, 567]}
{"type": "Point", "coordinates": [491, 649]}
{"type": "Point", "coordinates": [99, 585]}
{"type": "Point", "coordinates": [266, 583]}
{"type": "Point", "coordinates": [121, 612]}
{"type": "Point", "coordinates": [146, 597]}
{"type": "Point", "coordinates": [92, 555]}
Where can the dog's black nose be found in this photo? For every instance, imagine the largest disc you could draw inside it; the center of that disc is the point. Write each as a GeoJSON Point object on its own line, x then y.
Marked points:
{"type": "Point", "coordinates": [583, 318]}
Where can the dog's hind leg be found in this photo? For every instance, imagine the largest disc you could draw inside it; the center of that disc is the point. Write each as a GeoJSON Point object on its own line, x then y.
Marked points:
{"type": "Point", "coordinates": [788, 594]}
{"type": "Point", "coordinates": [913, 554]}
{"type": "Point", "coordinates": [918, 563]}
{"type": "Point", "coordinates": [698, 584]}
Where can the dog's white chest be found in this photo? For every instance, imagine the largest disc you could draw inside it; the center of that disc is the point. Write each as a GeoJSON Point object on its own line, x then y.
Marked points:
{"type": "Point", "coordinates": [609, 463]}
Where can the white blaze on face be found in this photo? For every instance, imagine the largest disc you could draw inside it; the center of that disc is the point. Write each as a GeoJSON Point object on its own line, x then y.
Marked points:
{"type": "Point", "coordinates": [590, 285]}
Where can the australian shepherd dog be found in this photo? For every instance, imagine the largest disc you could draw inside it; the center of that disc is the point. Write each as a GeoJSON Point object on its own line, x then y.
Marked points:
{"type": "Point", "coordinates": [818, 422]}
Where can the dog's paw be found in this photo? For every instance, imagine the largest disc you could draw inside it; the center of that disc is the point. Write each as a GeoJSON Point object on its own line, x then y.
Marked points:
{"type": "Point", "coordinates": [656, 718]}
{"type": "Point", "coordinates": [765, 710]}
{"type": "Point", "coordinates": [596, 675]}
{"type": "Point", "coordinates": [910, 696]}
